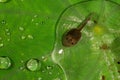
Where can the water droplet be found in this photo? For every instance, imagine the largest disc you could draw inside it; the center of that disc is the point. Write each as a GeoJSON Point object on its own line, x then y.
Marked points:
{"type": "Point", "coordinates": [8, 33]}
{"type": "Point", "coordinates": [39, 78]}
{"type": "Point", "coordinates": [22, 68]}
{"type": "Point", "coordinates": [3, 21]}
{"type": "Point", "coordinates": [35, 16]}
{"type": "Point", "coordinates": [30, 36]}
{"type": "Point", "coordinates": [1, 44]}
{"type": "Point", "coordinates": [7, 30]}
{"type": "Point", "coordinates": [5, 62]}
{"type": "Point", "coordinates": [57, 79]}
{"type": "Point", "coordinates": [8, 39]}
{"type": "Point", "coordinates": [36, 24]}
{"type": "Point", "coordinates": [21, 28]}
{"type": "Point", "coordinates": [23, 37]}
{"type": "Point", "coordinates": [33, 65]}
{"type": "Point", "coordinates": [49, 67]}
{"type": "Point", "coordinates": [43, 71]}
{"type": "Point", "coordinates": [50, 73]}
{"type": "Point", "coordinates": [32, 20]}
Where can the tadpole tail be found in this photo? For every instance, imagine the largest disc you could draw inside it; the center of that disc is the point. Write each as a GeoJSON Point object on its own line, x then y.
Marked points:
{"type": "Point", "coordinates": [80, 27]}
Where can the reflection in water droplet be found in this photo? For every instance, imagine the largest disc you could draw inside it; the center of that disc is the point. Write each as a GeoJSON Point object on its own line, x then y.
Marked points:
{"type": "Point", "coordinates": [30, 36]}
{"type": "Point", "coordinates": [5, 62]}
{"type": "Point", "coordinates": [21, 28]}
{"type": "Point", "coordinates": [33, 65]}
{"type": "Point", "coordinates": [1, 44]}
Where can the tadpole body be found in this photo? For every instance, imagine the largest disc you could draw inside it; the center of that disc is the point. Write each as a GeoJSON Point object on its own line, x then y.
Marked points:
{"type": "Point", "coordinates": [72, 36]}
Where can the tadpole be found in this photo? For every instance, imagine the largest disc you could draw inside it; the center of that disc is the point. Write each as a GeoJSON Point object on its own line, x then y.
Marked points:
{"type": "Point", "coordinates": [72, 36]}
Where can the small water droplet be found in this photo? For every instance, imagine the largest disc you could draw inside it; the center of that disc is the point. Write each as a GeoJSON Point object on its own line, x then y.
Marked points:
{"type": "Point", "coordinates": [32, 20]}
{"type": "Point", "coordinates": [21, 28]}
{"type": "Point", "coordinates": [30, 36]}
{"type": "Point", "coordinates": [43, 71]}
{"type": "Point", "coordinates": [22, 68]}
{"type": "Point", "coordinates": [57, 79]}
{"type": "Point", "coordinates": [5, 62]}
{"type": "Point", "coordinates": [1, 44]}
{"type": "Point", "coordinates": [7, 30]}
{"type": "Point", "coordinates": [35, 16]}
{"type": "Point", "coordinates": [50, 73]}
{"type": "Point", "coordinates": [36, 24]}
{"type": "Point", "coordinates": [39, 78]}
{"type": "Point", "coordinates": [3, 21]}
{"type": "Point", "coordinates": [49, 67]}
{"type": "Point", "coordinates": [8, 33]}
{"type": "Point", "coordinates": [8, 39]}
{"type": "Point", "coordinates": [33, 65]}
{"type": "Point", "coordinates": [23, 37]}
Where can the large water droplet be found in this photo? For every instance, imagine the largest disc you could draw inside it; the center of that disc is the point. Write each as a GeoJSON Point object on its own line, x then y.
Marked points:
{"type": "Point", "coordinates": [33, 65]}
{"type": "Point", "coordinates": [5, 62]}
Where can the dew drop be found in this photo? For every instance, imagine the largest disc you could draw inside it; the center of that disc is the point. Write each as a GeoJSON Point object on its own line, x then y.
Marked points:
{"type": "Point", "coordinates": [36, 24]}
{"type": "Point", "coordinates": [39, 78]}
{"type": "Point", "coordinates": [30, 36]}
{"type": "Point", "coordinates": [3, 21]}
{"type": "Point", "coordinates": [50, 73]}
{"type": "Point", "coordinates": [49, 67]}
{"type": "Point", "coordinates": [8, 33]}
{"type": "Point", "coordinates": [5, 62]}
{"type": "Point", "coordinates": [35, 16]}
{"type": "Point", "coordinates": [21, 28]}
{"type": "Point", "coordinates": [33, 65]}
{"type": "Point", "coordinates": [57, 79]}
{"type": "Point", "coordinates": [7, 30]}
{"type": "Point", "coordinates": [8, 39]}
{"type": "Point", "coordinates": [23, 37]}
{"type": "Point", "coordinates": [1, 44]}
{"type": "Point", "coordinates": [32, 20]}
